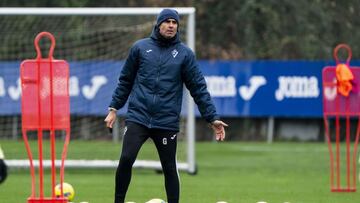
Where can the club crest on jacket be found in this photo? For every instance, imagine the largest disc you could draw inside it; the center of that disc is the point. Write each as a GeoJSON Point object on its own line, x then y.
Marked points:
{"type": "Point", "coordinates": [174, 53]}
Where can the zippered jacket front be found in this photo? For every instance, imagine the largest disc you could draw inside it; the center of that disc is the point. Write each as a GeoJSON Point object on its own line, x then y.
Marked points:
{"type": "Point", "coordinates": [153, 77]}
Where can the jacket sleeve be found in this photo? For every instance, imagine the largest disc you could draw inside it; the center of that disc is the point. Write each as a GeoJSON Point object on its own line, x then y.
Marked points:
{"type": "Point", "coordinates": [126, 79]}
{"type": "Point", "coordinates": [196, 84]}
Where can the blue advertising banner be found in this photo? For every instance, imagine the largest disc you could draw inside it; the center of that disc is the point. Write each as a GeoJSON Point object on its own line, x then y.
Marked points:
{"type": "Point", "coordinates": [238, 88]}
{"type": "Point", "coordinates": [266, 88]}
{"type": "Point", "coordinates": [91, 86]}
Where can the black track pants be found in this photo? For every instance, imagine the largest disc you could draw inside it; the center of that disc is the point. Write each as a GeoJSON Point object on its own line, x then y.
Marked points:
{"type": "Point", "coordinates": [165, 142]}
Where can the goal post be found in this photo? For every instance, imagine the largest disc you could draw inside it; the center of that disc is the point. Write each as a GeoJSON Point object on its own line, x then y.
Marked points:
{"type": "Point", "coordinates": [68, 50]}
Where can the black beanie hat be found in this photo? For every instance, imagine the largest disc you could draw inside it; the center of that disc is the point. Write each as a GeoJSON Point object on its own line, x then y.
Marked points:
{"type": "Point", "coordinates": [166, 14]}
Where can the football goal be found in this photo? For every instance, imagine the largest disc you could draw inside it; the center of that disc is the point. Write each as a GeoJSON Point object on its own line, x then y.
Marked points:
{"type": "Point", "coordinates": [95, 42]}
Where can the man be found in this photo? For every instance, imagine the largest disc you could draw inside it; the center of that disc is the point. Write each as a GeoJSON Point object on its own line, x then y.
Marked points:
{"type": "Point", "coordinates": [3, 168]}
{"type": "Point", "coordinates": [153, 76]}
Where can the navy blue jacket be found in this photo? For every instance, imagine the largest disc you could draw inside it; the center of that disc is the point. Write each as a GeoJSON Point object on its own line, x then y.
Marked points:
{"type": "Point", "coordinates": [153, 76]}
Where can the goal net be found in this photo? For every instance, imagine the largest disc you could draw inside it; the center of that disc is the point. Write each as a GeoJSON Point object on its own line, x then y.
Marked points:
{"type": "Point", "coordinates": [95, 42]}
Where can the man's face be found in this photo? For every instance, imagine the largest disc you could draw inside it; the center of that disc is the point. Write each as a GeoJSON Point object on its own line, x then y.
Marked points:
{"type": "Point", "coordinates": [168, 28]}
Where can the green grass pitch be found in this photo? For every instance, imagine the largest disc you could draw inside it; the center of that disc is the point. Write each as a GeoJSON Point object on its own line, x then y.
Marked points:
{"type": "Point", "coordinates": [235, 172]}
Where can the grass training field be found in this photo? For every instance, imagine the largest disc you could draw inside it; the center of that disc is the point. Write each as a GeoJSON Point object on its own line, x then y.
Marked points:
{"type": "Point", "coordinates": [235, 172]}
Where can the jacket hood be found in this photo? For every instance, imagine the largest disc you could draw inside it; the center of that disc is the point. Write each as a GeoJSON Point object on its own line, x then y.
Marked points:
{"type": "Point", "coordinates": [155, 35]}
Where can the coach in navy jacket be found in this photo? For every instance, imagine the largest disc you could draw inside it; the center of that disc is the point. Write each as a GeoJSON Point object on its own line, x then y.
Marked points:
{"type": "Point", "coordinates": [152, 78]}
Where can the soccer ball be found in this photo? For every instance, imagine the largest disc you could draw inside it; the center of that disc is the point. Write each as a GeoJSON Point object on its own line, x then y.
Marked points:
{"type": "Point", "coordinates": [156, 201]}
{"type": "Point", "coordinates": [68, 191]}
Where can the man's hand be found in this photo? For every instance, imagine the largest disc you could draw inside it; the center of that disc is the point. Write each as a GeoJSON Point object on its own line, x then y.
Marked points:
{"type": "Point", "coordinates": [219, 130]}
{"type": "Point", "coordinates": [110, 119]}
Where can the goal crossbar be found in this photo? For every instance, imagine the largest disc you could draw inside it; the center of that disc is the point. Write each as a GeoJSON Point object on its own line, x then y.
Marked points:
{"type": "Point", "coordinates": [91, 11]}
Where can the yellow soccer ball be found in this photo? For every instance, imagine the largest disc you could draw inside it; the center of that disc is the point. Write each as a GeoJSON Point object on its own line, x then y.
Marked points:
{"type": "Point", "coordinates": [68, 190]}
